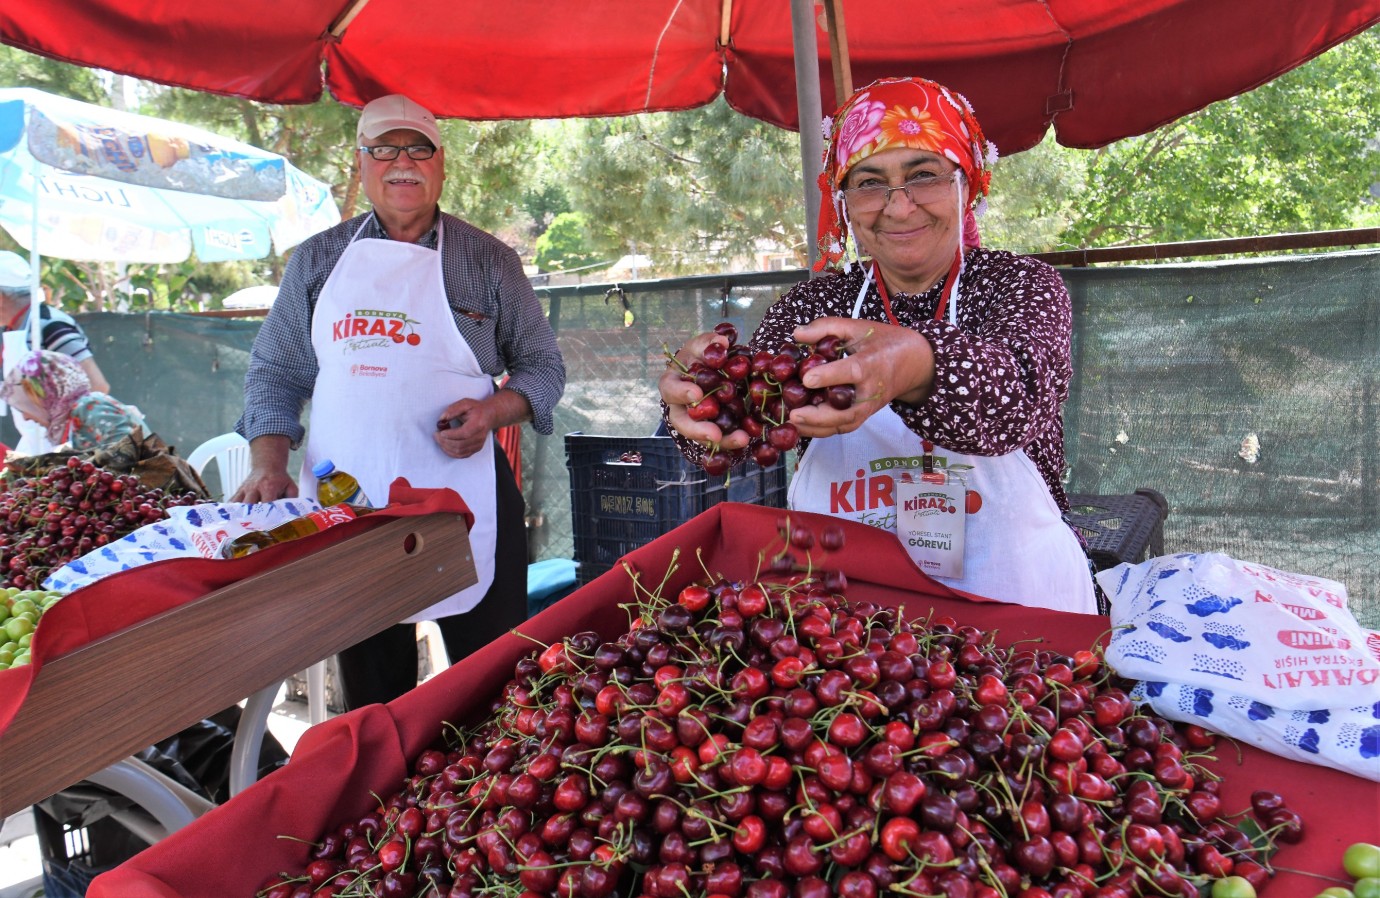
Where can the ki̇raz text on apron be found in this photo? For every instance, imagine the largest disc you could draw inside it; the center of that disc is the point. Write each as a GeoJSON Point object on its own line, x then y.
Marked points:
{"type": "Point", "coordinates": [986, 525]}
{"type": "Point", "coordinates": [391, 359]}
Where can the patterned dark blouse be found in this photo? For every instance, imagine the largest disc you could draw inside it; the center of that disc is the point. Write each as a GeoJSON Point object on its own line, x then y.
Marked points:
{"type": "Point", "coordinates": [1001, 375]}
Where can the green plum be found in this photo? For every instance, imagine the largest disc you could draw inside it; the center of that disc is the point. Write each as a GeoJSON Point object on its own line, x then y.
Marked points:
{"type": "Point", "coordinates": [1361, 860]}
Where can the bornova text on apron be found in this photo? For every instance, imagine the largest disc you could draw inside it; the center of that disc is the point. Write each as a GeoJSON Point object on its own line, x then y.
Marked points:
{"type": "Point", "coordinates": [1003, 536]}
{"type": "Point", "coordinates": [391, 359]}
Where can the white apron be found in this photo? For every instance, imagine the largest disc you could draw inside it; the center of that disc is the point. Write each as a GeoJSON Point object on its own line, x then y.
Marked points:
{"type": "Point", "coordinates": [1018, 547]}
{"type": "Point", "coordinates": [391, 359]}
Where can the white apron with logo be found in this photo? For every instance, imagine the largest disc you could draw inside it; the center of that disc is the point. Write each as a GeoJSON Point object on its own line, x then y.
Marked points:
{"type": "Point", "coordinates": [1018, 547]}
{"type": "Point", "coordinates": [391, 359]}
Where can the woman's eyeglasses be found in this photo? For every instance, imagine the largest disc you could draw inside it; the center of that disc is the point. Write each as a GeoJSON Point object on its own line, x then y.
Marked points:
{"type": "Point", "coordinates": [924, 188]}
{"type": "Point", "coordinates": [388, 152]}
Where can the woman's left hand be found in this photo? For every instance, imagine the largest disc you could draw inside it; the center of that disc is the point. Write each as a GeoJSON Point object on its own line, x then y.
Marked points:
{"type": "Point", "coordinates": [885, 362]}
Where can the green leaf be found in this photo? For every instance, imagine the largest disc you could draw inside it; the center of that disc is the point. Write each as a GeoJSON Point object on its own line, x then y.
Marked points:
{"type": "Point", "coordinates": [1262, 842]}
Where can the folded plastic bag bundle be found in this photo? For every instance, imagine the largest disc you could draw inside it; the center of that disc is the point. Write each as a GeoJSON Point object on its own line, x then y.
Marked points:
{"type": "Point", "coordinates": [189, 531]}
{"type": "Point", "coordinates": [1267, 656]}
{"type": "Point", "coordinates": [1346, 739]}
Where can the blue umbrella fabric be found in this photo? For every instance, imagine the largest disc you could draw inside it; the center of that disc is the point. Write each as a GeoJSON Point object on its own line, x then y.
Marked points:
{"type": "Point", "coordinates": [79, 181]}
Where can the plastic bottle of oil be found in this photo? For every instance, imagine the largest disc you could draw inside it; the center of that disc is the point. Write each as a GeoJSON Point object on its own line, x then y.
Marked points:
{"type": "Point", "coordinates": [307, 524]}
{"type": "Point", "coordinates": [336, 487]}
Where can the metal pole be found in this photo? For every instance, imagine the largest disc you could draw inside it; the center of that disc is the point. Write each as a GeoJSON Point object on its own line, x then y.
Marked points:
{"type": "Point", "coordinates": [35, 279]}
{"type": "Point", "coordinates": [806, 47]}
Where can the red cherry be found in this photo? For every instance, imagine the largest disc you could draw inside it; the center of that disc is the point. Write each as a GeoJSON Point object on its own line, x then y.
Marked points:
{"type": "Point", "coordinates": [716, 463]}
{"type": "Point", "coordinates": [715, 355]}
{"type": "Point", "coordinates": [841, 396]}
{"type": "Point", "coordinates": [898, 838]}
{"type": "Point", "coordinates": [781, 368]}
{"type": "Point", "coordinates": [830, 347]}
{"type": "Point", "coordinates": [736, 367]}
{"type": "Point", "coordinates": [707, 409]}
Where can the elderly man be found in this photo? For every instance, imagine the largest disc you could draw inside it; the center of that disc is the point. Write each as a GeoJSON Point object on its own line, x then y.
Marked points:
{"type": "Point", "coordinates": [394, 325]}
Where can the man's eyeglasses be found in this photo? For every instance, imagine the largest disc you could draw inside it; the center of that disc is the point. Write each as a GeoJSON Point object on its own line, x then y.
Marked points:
{"type": "Point", "coordinates": [387, 152]}
{"type": "Point", "coordinates": [923, 188]}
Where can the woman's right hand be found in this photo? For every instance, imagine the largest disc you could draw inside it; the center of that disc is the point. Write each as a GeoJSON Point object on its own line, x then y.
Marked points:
{"type": "Point", "coordinates": [679, 394]}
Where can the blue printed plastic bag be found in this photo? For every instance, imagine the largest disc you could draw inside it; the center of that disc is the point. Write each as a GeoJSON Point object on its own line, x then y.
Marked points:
{"type": "Point", "coordinates": [1208, 621]}
{"type": "Point", "coordinates": [189, 531]}
{"type": "Point", "coordinates": [1346, 739]}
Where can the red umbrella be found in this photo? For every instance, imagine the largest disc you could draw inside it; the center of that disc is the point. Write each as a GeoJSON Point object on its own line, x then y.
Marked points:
{"type": "Point", "coordinates": [1095, 70]}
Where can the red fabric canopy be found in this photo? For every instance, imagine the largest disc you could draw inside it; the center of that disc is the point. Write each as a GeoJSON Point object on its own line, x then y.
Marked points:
{"type": "Point", "coordinates": [1097, 70]}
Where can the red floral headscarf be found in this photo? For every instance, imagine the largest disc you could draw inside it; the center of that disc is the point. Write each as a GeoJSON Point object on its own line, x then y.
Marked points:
{"type": "Point", "coordinates": [899, 112]}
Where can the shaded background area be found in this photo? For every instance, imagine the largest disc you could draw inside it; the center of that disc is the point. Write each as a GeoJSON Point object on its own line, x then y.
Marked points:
{"type": "Point", "coordinates": [1181, 372]}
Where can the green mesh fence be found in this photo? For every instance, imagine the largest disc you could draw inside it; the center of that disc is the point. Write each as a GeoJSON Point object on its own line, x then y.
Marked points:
{"type": "Point", "coordinates": [1244, 392]}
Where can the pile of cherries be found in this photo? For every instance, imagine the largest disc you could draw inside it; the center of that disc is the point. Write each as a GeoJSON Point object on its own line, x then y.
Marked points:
{"type": "Point", "coordinates": [49, 519]}
{"type": "Point", "coordinates": [769, 738]}
{"type": "Point", "coordinates": [755, 392]}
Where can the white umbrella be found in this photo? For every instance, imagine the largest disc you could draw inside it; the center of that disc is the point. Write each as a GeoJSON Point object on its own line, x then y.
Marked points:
{"type": "Point", "coordinates": [79, 181]}
{"type": "Point", "coordinates": [259, 297]}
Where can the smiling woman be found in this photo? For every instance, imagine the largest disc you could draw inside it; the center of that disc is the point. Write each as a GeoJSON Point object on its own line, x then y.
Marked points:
{"type": "Point", "coordinates": [959, 357]}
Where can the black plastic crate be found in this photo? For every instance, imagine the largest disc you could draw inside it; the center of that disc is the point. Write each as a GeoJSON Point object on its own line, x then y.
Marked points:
{"type": "Point", "coordinates": [75, 851]}
{"type": "Point", "coordinates": [1128, 528]}
{"type": "Point", "coordinates": [627, 491]}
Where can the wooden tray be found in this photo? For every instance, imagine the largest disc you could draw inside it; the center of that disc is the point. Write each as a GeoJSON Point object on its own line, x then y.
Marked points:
{"type": "Point", "coordinates": [112, 697]}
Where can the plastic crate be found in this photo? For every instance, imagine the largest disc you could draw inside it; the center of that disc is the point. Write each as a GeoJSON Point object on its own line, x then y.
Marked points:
{"type": "Point", "coordinates": [627, 491]}
{"type": "Point", "coordinates": [74, 853]}
{"type": "Point", "coordinates": [1128, 528]}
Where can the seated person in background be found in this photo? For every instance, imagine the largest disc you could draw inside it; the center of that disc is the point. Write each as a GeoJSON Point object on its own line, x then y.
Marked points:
{"type": "Point", "coordinates": [50, 388]}
{"type": "Point", "coordinates": [59, 333]}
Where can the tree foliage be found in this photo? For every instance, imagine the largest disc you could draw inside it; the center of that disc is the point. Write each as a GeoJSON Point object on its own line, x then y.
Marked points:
{"type": "Point", "coordinates": [689, 189]}
{"type": "Point", "coordinates": [1297, 154]}
{"type": "Point", "coordinates": [706, 189]}
{"type": "Point", "coordinates": [562, 246]}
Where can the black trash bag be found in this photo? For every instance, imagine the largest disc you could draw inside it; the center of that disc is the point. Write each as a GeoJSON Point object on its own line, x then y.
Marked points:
{"type": "Point", "coordinates": [202, 753]}
{"type": "Point", "coordinates": [78, 833]}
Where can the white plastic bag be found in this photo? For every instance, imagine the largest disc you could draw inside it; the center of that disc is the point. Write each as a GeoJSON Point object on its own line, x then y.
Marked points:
{"type": "Point", "coordinates": [190, 531]}
{"type": "Point", "coordinates": [1346, 739]}
{"type": "Point", "coordinates": [1212, 622]}
{"type": "Point", "coordinates": [208, 525]}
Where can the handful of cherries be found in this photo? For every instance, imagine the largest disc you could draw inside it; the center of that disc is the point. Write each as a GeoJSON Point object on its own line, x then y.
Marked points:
{"type": "Point", "coordinates": [755, 392]}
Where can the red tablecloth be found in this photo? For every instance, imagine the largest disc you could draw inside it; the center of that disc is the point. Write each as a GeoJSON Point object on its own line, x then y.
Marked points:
{"type": "Point", "coordinates": [336, 765]}
{"type": "Point", "coordinates": [120, 600]}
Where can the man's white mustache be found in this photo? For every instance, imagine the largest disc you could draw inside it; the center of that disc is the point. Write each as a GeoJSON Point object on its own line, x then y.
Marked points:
{"type": "Point", "coordinates": [400, 175]}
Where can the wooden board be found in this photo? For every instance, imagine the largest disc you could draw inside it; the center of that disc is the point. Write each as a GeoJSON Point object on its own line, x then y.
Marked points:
{"type": "Point", "coordinates": [116, 695]}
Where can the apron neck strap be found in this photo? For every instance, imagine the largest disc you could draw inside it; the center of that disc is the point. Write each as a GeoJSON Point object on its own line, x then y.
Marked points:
{"type": "Point", "coordinates": [950, 290]}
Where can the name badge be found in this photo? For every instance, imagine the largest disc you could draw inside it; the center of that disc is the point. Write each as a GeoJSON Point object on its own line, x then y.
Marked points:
{"type": "Point", "coordinates": [931, 519]}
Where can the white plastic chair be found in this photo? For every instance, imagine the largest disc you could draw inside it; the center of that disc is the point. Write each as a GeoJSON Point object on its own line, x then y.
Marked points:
{"type": "Point", "coordinates": [231, 454]}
